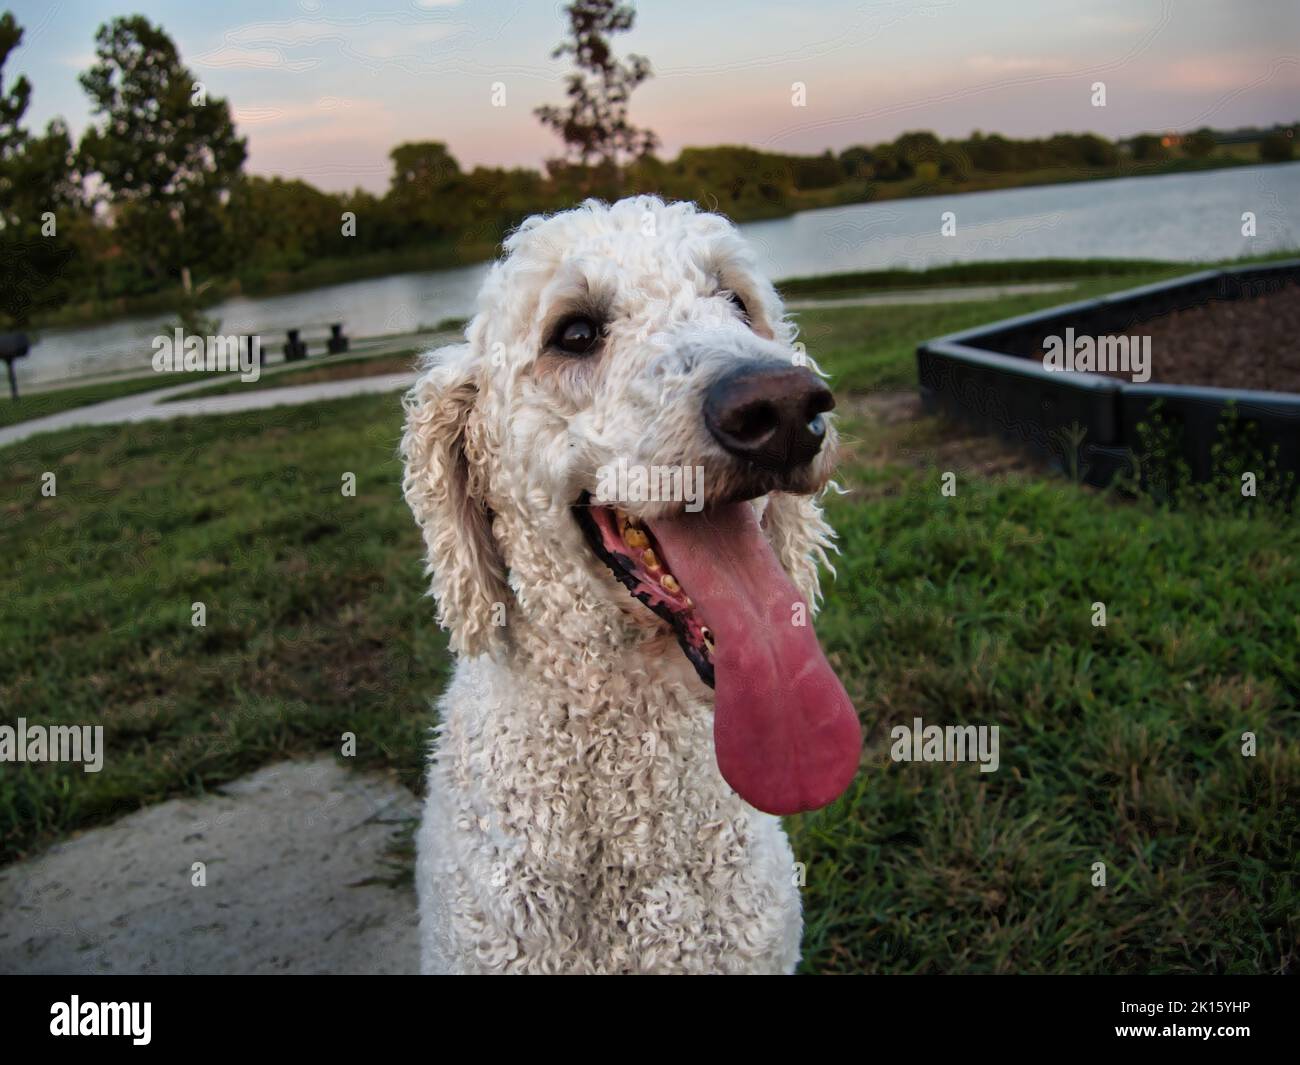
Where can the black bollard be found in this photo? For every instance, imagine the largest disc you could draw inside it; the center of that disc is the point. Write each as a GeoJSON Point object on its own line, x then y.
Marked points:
{"type": "Point", "coordinates": [295, 349]}
{"type": "Point", "coordinates": [337, 341]}
{"type": "Point", "coordinates": [13, 346]}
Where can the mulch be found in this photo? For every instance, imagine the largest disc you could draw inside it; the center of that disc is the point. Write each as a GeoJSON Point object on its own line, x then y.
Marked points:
{"type": "Point", "coordinates": [1248, 343]}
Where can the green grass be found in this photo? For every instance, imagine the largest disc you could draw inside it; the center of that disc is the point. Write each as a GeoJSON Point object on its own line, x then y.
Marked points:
{"type": "Point", "coordinates": [39, 404]}
{"type": "Point", "coordinates": [981, 273]}
{"type": "Point", "coordinates": [1118, 744]}
{"type": "Point", "coordinates": [316, 623]}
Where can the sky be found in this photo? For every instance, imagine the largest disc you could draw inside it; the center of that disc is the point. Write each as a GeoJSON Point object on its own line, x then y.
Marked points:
{"type": "Point", "coordinates": [324, 90]}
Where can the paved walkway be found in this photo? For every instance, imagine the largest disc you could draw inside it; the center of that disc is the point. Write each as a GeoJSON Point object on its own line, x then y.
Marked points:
{"type": "Point", "coordinates": [150, 406]}
{"type": "Point", "coordinates": [301, 877]}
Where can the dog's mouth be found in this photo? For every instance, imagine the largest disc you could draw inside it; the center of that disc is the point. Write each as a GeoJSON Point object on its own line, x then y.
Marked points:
{"type": "Point", "coordinates": [629, 548]}
{"type": "Point", "coordinates": [785, 734]}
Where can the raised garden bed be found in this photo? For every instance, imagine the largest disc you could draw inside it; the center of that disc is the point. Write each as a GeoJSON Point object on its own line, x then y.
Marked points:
{"type": "Point", "coordinates": [1223, 344]}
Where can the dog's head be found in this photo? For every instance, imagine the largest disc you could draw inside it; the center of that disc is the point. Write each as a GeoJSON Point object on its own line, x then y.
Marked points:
{"type": "Point", "coordinates": [631, 414]}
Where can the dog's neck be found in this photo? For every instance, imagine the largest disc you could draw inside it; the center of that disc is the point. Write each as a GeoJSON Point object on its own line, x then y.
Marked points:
{"type": "Point", "coordinates": [591, 647]}
{"type": "Point", "coordinates": [570, 619]}
{"type": "Point", "coordinates": [597, 709]}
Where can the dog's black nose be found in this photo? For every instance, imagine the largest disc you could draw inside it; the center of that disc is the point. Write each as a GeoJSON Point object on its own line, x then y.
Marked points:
{"type": "Point", "coordinates": [769, 415]}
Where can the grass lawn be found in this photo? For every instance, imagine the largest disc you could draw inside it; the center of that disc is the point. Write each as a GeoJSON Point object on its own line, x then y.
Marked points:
{"type": "Point", "coordinates": [998, 272]}
{"type": "Point", "coordinates": [315, 621]}
{"type": "Point", "coordinates": [1118, 744]}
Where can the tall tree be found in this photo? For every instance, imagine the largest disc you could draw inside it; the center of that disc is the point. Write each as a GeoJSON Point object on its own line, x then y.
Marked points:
{"type": "Point", "coordinates": [14, 100]}
{"type": "Point", "coordinates": [37, 190]}
{"type": "Point", "coordinates": [427, 191]}
{"type": "Point", "coordinates": [167, 153]}
{"type": "Point", "coordinates": [594, 124]}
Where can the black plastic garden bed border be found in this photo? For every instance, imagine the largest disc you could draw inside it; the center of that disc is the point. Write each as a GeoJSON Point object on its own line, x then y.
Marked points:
{"type": "Point", "coordinates": [988, 377]}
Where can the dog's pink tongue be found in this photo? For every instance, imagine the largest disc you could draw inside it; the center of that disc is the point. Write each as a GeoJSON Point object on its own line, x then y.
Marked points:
{"type": "Point", "coordinates": [786, 736]}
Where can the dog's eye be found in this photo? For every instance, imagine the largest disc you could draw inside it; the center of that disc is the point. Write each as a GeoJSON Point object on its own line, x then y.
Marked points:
{"type": "Point", "coordinates": [576, 336]}
{"type": "Point", "coordinates": [740, 305]}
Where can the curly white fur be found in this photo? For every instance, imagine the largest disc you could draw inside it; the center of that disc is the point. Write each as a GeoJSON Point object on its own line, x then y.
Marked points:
{"type": "Point", "coordinates": [576, 820]}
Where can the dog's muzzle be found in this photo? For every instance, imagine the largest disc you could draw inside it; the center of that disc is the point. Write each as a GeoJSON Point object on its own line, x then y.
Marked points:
{"type": "Point", "coordinates": [769, 416]}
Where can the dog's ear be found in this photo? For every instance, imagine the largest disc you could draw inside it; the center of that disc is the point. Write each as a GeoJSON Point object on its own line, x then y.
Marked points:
{"type": "Point", "coordinates": [445, 483]}
{"type": "Point", "coordinates": [801, 537]}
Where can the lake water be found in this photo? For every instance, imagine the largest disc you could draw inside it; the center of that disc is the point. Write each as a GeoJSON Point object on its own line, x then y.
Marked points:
{"type": "Point", "coordinates": [1183, 217]}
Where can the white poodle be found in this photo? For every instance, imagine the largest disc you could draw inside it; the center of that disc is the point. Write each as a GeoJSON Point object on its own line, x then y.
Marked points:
{"type": "Point", "coordinates": [615, 478]}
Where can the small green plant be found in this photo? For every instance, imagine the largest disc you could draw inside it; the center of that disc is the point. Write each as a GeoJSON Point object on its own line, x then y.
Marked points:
{"type": "Point", "coordinates": [190, 319]}
{"type": "Point", "coordinates": [1243, 470]}
{"type": "Point", "coordinates": [1070, 442]}
{"type": "Point", "coordinates": [1237, 457]}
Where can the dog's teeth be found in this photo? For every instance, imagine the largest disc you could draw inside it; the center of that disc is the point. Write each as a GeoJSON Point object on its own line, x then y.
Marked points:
{"type": "Point", "coordinates": [707, 633]}
{"type": "Point", "coordinates": [670, 582]}
{"type": "Point", "coordinates": [648, 557]}
{"type": "Point", "coordinates": [634, 537]}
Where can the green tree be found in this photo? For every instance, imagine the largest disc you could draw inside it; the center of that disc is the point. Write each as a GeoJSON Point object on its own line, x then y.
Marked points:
{"type": "Point", "coordinates": [594, 124]}
{"type": "Point", "coordinates": [888, 165]}
{"type": "Point", "coordinates": [855, 161]}
{"type": "Point", "coordinates": [1148, 148]}
{"type": "Point", "coordinates": [39, 197]}
{"type": "Point", "coordinates": [427, 191]}
{"type": "Point", "coordinates": [993, 154]}
{"type": "Point", "coordinates": [167, 153]}
{"type": "Point", "coordinates": [1092, 150]}
{"type": "Point", "coordinates": [14, 100]}
{"type": "Point", "coordinates": [1277, 147]}
{"type": "Point", "coordinates": [1199, 144]}
{"type": "Point", "coordinates": [279, 225]}
{"type": "Point", "coordinates": [817, 171]}
{"type": "Point", "coordinates": [918, 146]}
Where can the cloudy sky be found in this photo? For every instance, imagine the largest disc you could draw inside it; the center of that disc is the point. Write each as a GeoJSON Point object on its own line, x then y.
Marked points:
{"type": "Point", "coordinates": [324, 89]}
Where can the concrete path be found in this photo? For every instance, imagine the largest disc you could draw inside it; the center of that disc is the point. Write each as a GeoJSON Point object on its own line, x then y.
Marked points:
{"type": "Point", "coordinates": [262, 398]}
{"type": "Point", "coordinates": [150, 406]}
{"type": "Point", "coordinates": [291, 853]}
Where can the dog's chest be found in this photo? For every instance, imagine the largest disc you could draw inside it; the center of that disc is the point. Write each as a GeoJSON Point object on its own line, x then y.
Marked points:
{"type": "Point", "coordinates": [584, 840]}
